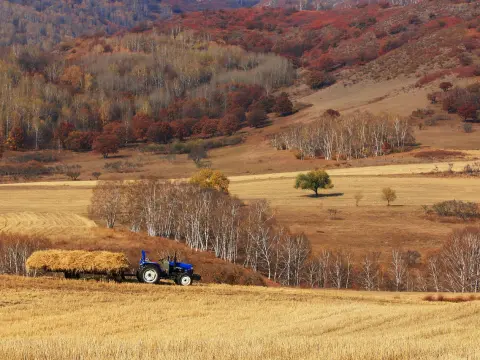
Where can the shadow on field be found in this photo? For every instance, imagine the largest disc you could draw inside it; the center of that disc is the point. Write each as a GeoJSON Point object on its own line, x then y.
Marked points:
{"type": "Point", "coordinates": [313, 196]}
{"type": "Point", "coordinates": [119, 156]}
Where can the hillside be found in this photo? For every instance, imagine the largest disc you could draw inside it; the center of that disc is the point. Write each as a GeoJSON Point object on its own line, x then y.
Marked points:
{"type": "Point", "coordinates": [218, 70]}
{"type": "Point", "coordinates": [384, 42]}
{"type": "Point", "coordinates": [58, 319]}
{"type": "Point", "coordinates": [331, 4]}
{"type": "Point", "coordinates": [46, 23]}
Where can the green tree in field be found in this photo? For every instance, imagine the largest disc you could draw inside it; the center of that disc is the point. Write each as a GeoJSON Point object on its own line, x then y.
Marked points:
{"type": "Point", "coordinates": [313, 180]}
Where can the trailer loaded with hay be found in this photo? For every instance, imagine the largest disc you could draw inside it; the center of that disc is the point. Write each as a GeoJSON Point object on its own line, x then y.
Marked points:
{"type": "Point", "coordinates": [77, 263]}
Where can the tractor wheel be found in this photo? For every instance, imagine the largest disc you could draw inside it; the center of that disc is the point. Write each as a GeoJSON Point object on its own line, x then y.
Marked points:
{"type": "Point", "coordinates": [118, 278]}
{"type": "Point", "coordinates": [138, 274]}
{"type": "Point", "coordinates": [150, 274]}
{"type": "Point", "coordinates": [71, 275]}
{"type": "Point", "coordinates": [184, 280]}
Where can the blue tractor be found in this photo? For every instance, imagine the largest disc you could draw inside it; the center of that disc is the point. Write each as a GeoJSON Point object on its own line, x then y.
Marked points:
{"type": "Point", "coordinates": [151, 272]}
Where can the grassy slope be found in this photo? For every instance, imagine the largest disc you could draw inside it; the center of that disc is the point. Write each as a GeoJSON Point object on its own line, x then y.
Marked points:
{"type": "Point", "coordinates": [60, 319]}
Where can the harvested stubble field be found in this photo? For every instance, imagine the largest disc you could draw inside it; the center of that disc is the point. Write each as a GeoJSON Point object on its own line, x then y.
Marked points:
{"type": "Point", "coordinates": [64, 319]}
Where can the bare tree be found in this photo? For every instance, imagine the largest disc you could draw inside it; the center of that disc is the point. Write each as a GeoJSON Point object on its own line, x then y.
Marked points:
{"type": "Point", "coordinates": [460, 259]}
{"type": "Point", "coordinates": [398, 269]}
{"type": "Point", "coordinates": [341, 270]}
{"type": "Point", "coordinates": [106, 202]}
{"type": "Point", "coordinates": [434, 272]}
{"type": "Point", "coordinates": [358, 197]}
{"type": "Point", "coordinates": [15, 250]}
{"type": "Point", "coordinates": [370, 274]}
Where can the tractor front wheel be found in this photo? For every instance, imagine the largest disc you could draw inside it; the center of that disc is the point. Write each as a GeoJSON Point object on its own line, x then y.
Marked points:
{"type": "Point", "coordinates": [184, 280]}
{"type": "Point", "coordinates": [150, 274]}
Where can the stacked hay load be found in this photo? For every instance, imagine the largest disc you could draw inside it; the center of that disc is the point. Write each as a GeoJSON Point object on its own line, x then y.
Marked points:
{"type": "Point", "coordinates": [78, 262]}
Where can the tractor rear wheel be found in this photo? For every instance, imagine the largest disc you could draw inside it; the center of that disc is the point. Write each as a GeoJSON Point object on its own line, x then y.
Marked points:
{"type": "Point", "coordinates": [150, 274]}
{"type": "Point", "coordinates": [184, 280]}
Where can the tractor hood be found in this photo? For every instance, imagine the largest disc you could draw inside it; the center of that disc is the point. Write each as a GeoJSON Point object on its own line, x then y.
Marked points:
{"type": "Point", "coordinates": [181, 265]}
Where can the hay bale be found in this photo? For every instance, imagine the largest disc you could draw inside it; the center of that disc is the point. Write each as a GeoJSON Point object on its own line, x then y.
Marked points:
{"type": "Point", "coordinates": [78, 261]}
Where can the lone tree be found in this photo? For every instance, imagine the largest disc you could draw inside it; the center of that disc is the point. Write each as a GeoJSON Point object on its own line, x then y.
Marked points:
{"type": "Point", "coordinates": [467, 111]}
{"type": "Point", "coordinates": [211, 179]}
{"type": "Point", "coordinates": [445, 86]}
{"type": "Point", "coordinates": [314, 180]}
{"type": "Point", "coordinates": [197, 153]}
{"type": "Point", "coordinates": [358, 197]}
{"type": "Point", "coordinates": [389, 195]}
{"type": "Point", "coordinates": [106, 144]}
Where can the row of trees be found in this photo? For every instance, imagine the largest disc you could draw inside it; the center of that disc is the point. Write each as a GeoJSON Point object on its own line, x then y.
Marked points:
{"type": "Point", "coordinates": [351, 136]}
{"type": "Point", "coordinates": [207, 219]}
{"type": "Point", "coordinates": [15, 250]}
{"type": "Point", "coordinates": [47, 23]}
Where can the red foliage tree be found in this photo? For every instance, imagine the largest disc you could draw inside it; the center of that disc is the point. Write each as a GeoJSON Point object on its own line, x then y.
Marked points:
{"type": "Point", "coordinates": [239, 113]}
{"type": "Point", "coordinates": [283, 105]}
{"type": "Point", "coordinates": [468, 111]}
{"type": "Point", "coordinates": [445, 86]}
{"type": "Point", "coordinates": [106, 144]}
{"type": "Point", "coordinates": [239, 98]}
{"type": "Point", "coordinates": [325, 63]}
{"type": "Point", "coordinates": [243, 96]}
{"type": "Point", "coordinates": [257, 117]}
{"type": "Point", "coordinates": [119, 130]}
{"type": "Point", "coordinates": [179, 129]}
{"type": "Point", "coordinates": [229, 124]}
{"type": "Point", "coordinates": [209, 128]}
{"type": "Point", "coordinates": [268, 103]}
{"type": "Point", "coordinates": [140, 124]}
{"type": "Point", "coordinates": [63, 130]}
{"type": "Point", "coordinates": [80, 140]}
{"type": "Point", "coordinates": [160, 132]}
{"type": "Point", "coordinates": [15, 139]}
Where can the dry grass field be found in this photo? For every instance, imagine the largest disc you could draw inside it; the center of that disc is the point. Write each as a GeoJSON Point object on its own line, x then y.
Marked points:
{"type": "Point", "coordinates": [63, 319]}
{"type": "Point", "coordinates": [46, 210]}
{"type": "Point", "coordinates": [59, 210]}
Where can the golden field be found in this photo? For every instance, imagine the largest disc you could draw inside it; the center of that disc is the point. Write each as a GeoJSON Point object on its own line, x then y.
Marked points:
{"type": "Point", "coordinates": [65, 319]}
{"type": "Point", "coordinates": [59, 210]}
